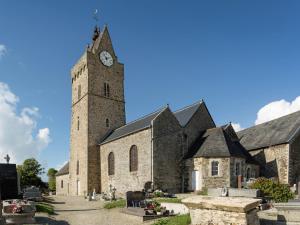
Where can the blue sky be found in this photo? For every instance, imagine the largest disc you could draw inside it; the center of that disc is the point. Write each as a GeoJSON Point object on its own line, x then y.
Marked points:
{"type": "Point", "coordinates": [239, 56]}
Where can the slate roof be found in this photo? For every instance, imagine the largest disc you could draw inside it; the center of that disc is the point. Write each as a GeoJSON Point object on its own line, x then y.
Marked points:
{"type": "Point", "coordinates": [64, 170]}
{"type": "Point", "coordinates": [216, 142]}
{"type": "Point", "coordinates": [184, 115]}
{"type": "Point", "coordinates": [133, 126]}
{"type": "Point", "coordinates": [271, 133]}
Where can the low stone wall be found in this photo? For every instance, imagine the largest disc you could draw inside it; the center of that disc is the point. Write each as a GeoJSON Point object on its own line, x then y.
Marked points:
{"type": "Point", "coordinates": [235, 192]}
{"type": "Point", "coordinates": [177, 208]}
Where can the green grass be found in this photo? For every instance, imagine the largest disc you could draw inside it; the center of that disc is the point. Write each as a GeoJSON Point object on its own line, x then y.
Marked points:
{"type": "Point", "coordinates": [168, 200]}
{"type": "Point", "coordinates": [45, 207]}
{"type": "Point", "coordinates": [115, 204]}
{"type": "Point", "coordinates": [176, 220]}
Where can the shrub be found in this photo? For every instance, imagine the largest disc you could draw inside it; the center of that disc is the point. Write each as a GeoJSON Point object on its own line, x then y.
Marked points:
{"type": "Point", "coordinates": [278, 192]}
{"type": "Point", "coordinates": [169, 200]}
{"type": "Point", "coordinates": [45, 207]}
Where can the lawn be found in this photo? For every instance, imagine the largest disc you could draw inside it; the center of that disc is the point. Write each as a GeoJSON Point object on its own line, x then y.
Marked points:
{"type": "Point", "coordinates": [176, 220]}
{"type": "Point", "coordinates": [45, 207]}
{"type": "Point", "coordinates": [115, 204]}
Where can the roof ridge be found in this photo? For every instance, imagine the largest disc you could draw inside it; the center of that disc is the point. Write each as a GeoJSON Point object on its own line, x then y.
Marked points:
{"type": "Point", "coordinates": [281, 117]}
{"type": "Point", "coordinates": [189, 106]}
{"type": "Point", "coordinates": [156, 111]}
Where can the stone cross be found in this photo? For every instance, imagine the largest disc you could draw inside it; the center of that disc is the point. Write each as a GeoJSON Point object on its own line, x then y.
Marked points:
{"type": "Point", "coordinates": [7, 158]}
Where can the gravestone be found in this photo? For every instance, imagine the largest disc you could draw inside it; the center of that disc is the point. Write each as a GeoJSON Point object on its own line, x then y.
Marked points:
{"type": "Point", "coordinates": [8, 181]}
{"type": "Point", "coordinates": [134, 198]}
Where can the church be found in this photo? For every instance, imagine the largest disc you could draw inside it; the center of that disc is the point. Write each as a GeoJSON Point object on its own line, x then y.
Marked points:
{"type": "Point", "coordinates": [175, 151]}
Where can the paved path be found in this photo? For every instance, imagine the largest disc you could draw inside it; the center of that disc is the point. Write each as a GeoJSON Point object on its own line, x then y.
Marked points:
{"type": "Point", "coordinates": [78, 211]}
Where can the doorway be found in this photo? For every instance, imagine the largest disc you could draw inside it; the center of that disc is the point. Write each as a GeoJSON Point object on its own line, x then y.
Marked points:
{"type": "Point", "coordinates": [196, 180]}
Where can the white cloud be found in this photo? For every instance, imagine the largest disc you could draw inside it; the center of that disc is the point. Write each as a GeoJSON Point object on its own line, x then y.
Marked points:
{"type": "Point", "coordinates": [277, 109]}
{"type": "Point", "coordinates": [19, 136]}
{"type": "Point", "coordinates": [237, 127]}
{"type": "Point", "coordinates": [2, 50]}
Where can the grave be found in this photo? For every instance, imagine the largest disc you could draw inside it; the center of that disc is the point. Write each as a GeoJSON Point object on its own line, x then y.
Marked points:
{"type": "Point", "coordinates": [222, 210]}
{"type": "Point", "coordinates": [8, 181]}
{"type": "Point", "coordinates": [288, 212]}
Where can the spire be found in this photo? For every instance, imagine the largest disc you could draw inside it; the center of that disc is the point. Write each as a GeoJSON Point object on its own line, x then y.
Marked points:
{"type": "Point", "coordinates": [96, 33]}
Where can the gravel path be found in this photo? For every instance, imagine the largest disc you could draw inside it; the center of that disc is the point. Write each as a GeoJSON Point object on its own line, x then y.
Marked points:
{"type": "Point", "coordinates": [78, 211]}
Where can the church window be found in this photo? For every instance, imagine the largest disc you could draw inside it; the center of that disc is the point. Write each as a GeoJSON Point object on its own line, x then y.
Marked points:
{"type": "Point", "coordinates": [77, 167]}
{"type": "Point", "coordinates": [79, 91]}
{"type": "Point", "coordinates": [107, 122]}
{"type": "Point", "coordinates": [133, 158]}
{"type": "Point", "coordinates": [62, 184]}
{"type": "Point", "coordinates": [237, 169]}
{"type": "Point", "coordinates": [111, 164]}
{"type": "Point", "coordinates": [78, 124]}
{"type": "Point", "coordinates": [106, 89]}
{"type": "Point", "coordinates": [214, 168]}
{"type": "Point", "coordinates": [248, 175]}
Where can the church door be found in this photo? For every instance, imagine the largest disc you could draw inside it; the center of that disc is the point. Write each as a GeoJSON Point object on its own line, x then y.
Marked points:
{"type": "Point", "coordinates": [196, 180]}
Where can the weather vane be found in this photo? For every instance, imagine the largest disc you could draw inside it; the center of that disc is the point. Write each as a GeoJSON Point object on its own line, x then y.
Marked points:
{"type": "Point", "coordinates": [95, 15]}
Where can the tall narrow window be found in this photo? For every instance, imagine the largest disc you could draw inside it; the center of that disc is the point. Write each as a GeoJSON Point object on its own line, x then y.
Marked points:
{"type": "Point", "coordinates": [133, 158]}
{"type": "Point", "coordinates": [107, 122]}
{"type": "Point", "coordinates": [77, 167]}
{"type": "Point", "coordinates": [214, 168]}
{"type": "Point", "coordinates": [62, 184]}
{"type": "Point", "coordinates": [79, 91]}
{"type": "Point", "coordinates": [111, 164]}
{"type": "Point", "coordinates": [248, 175]}
{"type": "Point", "coordinates": [106, 89]}
{"type": "Point", "coordinates": [237, 169]}
{"type": "Point", "coordinates": [78, 124]}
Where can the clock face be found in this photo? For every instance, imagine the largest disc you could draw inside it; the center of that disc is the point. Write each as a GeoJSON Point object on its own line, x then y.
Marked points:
{"type": "Point", "coordinates": [106, 58]}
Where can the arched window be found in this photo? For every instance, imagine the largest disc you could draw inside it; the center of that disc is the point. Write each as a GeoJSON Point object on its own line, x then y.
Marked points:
{"type": "Point", "coordinates": [214, 168]}
{"type": "Point", "coordinates": [79, 91]}
{"type": "Point", "coordinates": [111, 164]}
{"type": "Point", "coordinates": [107, 122]}
{"type": "Point", "coordinates": [77, 167]}
{"type": "Point", "coordinates": [133, 158]}
{"type": "Point", "coordinates": [62, 184]}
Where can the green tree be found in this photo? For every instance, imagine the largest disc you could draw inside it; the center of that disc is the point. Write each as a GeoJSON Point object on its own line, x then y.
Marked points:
{"type": "Point", "coordinates": [30, 173]}
{"type": "Point", "coordinates": [51, 179]}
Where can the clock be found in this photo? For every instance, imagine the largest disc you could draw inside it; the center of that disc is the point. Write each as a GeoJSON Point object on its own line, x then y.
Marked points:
{"type": "Point", "coordinates": [106, 58]}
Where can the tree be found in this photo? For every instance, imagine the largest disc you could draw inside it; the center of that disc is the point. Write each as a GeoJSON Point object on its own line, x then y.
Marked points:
{"type": "Point", "coordinates": [30, 173]}
{"type": "Point", "coordinates": [51, 179]}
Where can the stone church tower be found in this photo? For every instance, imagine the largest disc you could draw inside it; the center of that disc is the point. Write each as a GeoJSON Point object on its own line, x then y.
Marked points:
{"type": "Point", "coordinates": [98, 107]}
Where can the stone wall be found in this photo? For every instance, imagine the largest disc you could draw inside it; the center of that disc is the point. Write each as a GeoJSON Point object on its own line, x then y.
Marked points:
{"type": "Point", "coordinates": [124, 180]}
{"type": "Point", "coordinates": [203, 165]}
{"type": "Point", "coordinates": [62, 185]}
{"type": "Point", "coordinates": [274, 161]}
{"type": "Point", "coordinates": [294, 164]}
{"type": "Point", "coordinates": [167, 152]}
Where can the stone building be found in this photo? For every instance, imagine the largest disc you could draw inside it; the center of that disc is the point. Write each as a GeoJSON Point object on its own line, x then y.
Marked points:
{"type": "Point", "coordinates": [162, 150]}
{"type": "Point", "coordinates": [276, 146]}
{"type": "Point", "coordinates": [62, 180]}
